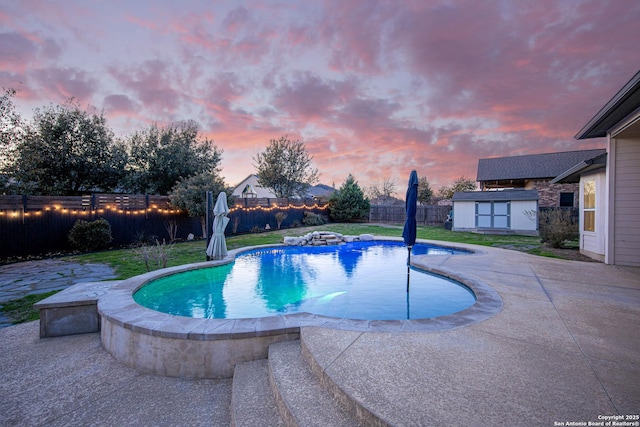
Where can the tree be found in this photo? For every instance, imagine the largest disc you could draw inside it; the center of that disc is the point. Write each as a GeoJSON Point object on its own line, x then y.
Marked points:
{"type": "Point", "coordinates": [10, 133]}
{"type": "Point", "coordinates": [67, 151]}
{"type": "Point", "coordinates": [285, 168]}
{"type": "Point", "coordinates": [460, 184]}
{"type": "Point", "coordinates": [10, 121]}
{"type": "Point", "coordinates": [424, 191]}
{"type": "Point", "coordinates": [384, 193]}
{"type": "Point", "coordinates": [349, 202]}
{"type": "Point", "coordinates": [160, 157]}
{"type": "Point", "coordinates": [190, 194]}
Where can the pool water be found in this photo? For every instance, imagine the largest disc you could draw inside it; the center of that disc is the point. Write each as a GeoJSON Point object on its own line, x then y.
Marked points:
{"type": "Point", "coordinates": [360, 280]}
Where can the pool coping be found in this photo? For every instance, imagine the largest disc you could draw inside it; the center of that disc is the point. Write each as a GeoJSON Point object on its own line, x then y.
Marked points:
{"type": "Point", "coordinates": [118, 307]}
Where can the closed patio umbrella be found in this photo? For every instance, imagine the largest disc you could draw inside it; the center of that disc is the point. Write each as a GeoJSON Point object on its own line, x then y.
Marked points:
{"type": "Point", "coordinates": [217, 248]}
{"type": "Point", "coordinates": [409, 231]}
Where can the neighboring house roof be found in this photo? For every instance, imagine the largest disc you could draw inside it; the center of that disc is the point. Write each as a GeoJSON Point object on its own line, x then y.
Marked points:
{"type": "Point", "coordinates": [532, 166]}
{"type": "Point", "coordinates": [572, 175]}
{"type": "Point", "coordinates": [494, 196]}
{"type": "Point", "coordinates": [321, 190]}
{"type": "Point", "coordinates": [622, 104]}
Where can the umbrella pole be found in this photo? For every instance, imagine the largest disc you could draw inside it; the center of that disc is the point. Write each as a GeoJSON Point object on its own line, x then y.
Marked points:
{"type": "Point", "coordinates": [208, 202]}
{"type": "Point", "coordinates": [408, 265]}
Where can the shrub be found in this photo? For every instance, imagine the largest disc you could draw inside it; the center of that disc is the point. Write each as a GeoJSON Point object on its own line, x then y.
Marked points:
{"type": "Point", "coordinates": [557, 226]}
{"type": "Point", "coordinates": [280, 217]}
{"type": "Point", "coordinates": [349, 202]}
{"type": "Point", "coordinates": [90, 236]}
{"type": "Point", "coordinates": [311, 218]}
{"type": "Point", "coordinates": [155, 256]}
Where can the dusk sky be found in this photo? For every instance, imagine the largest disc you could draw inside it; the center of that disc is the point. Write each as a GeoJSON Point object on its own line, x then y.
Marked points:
{"type": "Point", "coordinates": [373, 88]}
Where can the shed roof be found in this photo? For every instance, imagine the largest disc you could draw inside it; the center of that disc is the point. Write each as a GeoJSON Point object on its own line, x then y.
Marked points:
{"type": "Point", "coordinates": [622, 104]}
{"type": "Point", "coordinates": [495, 196]}
{"type": "Point", "coordinates": [532, 166]}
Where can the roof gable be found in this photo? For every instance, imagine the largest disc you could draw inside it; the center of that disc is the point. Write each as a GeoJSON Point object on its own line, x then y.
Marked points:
{"type": "Point", "coordinates": [532, 166]}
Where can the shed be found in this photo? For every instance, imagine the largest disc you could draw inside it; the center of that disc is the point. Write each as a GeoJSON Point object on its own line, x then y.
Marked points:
{"type": "Point", "coordinates": [506, 211]}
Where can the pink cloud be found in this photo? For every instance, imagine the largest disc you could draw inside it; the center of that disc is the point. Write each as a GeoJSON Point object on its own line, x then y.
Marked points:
{"type": "Point", "coordinates": [384, 86]}
{"type": "Point", "coordinates": [309, 96]}
{"type": "Point", "coordinates": [144, 23]}
{"type": "Point", "coordinates": [119, 104]}
{"type": "Point", "coordinates": [236, 19]}
{"type": "Point", "coordinates": [17, 52]}
{"type": "Point", "coordinates": [63, 83]}
{"type": "Point", "coordinates": [153, 83]}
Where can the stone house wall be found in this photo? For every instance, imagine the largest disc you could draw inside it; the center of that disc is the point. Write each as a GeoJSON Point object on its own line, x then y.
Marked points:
{"type": "Point", "coordinates": [549, 194]}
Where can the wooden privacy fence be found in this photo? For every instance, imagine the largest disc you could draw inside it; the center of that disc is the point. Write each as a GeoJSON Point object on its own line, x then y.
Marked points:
{"type": "Point", "coordinates": [35, 225]}
{"type": "Point", "coordinates": [21, 205]}
{"type": "Point", "coordinates": [395, 214]}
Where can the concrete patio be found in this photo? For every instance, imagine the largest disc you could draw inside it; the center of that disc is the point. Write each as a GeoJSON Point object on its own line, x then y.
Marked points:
{"type": "Point", "coordinates": [563, 349]}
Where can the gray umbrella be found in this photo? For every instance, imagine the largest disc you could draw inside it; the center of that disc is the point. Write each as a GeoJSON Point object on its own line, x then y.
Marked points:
{"type": "Point", "coordinates": [217, 248]}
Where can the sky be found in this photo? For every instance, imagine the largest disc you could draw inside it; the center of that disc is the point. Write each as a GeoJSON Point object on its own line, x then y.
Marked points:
{"type": "Point", "coordinates": [373, 88]}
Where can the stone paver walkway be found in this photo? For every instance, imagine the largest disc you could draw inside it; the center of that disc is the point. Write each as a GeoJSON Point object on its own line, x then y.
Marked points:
{"type": "Point", "coordinates": [34, 277]}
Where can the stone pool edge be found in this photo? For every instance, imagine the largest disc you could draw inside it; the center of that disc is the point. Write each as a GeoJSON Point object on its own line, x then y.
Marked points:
{"type": "Point", "coordinates": [178, 346]}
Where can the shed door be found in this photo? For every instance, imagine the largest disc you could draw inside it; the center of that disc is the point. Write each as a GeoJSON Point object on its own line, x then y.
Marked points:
{"type": "Point", "coordinates": [493, 215]}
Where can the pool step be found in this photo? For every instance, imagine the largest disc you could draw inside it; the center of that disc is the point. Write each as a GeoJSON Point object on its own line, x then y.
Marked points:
{"type": "Point", "coordinates": [299, 396]}
{"type": "Point", "coordinates": [252, 402]}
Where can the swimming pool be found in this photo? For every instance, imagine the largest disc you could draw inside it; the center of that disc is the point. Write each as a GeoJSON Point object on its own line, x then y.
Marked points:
{"type": "Point", "coordinates": [359, 280]}
{"type": "Point", "coordinates": [189, 347]}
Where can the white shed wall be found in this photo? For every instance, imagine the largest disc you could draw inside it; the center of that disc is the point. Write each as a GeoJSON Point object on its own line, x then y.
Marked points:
{"type": "Point", "coordinates": [464, 215]}
{"type": "Point", "coordinates": [519, 220]}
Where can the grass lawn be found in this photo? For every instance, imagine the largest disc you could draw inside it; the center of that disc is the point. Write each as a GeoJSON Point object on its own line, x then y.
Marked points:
{"type": "Point", "coordinates": [129, 262]}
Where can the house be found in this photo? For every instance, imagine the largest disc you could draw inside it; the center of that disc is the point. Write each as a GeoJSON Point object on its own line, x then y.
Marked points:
{"type": "Point", "coordinates": [610, 184]}
{"type": "Point", "coordinates": [250, 189]}
{"type": "Point", "coordinates": [506, 211]}
{"type": "Point", "coordinates": [535, 172]}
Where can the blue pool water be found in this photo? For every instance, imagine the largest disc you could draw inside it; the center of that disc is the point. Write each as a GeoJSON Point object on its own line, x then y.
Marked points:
{"type": "Point", "coordinates": [360, 280]}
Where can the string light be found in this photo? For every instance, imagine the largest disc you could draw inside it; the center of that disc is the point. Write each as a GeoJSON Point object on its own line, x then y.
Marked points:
{"type": "Point", "coordinates": [152, 208]}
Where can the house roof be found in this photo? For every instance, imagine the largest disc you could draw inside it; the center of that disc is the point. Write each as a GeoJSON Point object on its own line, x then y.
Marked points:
{"type": "Point", "coordinates": [572, 175]}
{"type": "Point", "coordinates": [494, 196]}
{"type": "Point", "coordinates": [622, 104]}
{"type": "Point", "coordinates": [321, 190]}
{"type": "Point", "coordinates": [532, 166]}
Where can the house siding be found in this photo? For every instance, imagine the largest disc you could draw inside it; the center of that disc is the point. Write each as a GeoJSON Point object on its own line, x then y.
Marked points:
{"type": "Point", "coordinates": [626, 200]}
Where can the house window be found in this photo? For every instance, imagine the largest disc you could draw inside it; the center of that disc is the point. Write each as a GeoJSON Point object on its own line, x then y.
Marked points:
{"type": "Point", "coordinates": [493, 214]}
{"type": "Point", "coordinates": [589, 205]}
{"type": "Point", "coordinates": [566, 200]}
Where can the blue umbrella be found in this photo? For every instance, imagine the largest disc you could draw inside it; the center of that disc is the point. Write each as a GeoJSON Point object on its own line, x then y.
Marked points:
{"type": "Point", "coordinates": [409, 232]}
